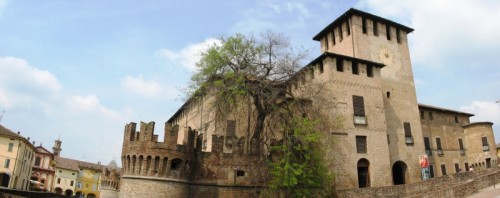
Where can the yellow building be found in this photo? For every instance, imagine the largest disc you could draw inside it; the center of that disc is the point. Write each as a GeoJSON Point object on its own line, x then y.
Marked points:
{"type": "Point", "coordinates": [16, 160]}
{"type": "Point", "coordinates": [88, 181]}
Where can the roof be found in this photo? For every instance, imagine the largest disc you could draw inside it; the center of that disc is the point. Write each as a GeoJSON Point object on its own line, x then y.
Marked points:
{"type": "Point", "coordinates": [88, 165]}
{"type": "Point", "coordinates": [5, 132]}
{"type": "Point", "coordinates": [444, 109]}
{"type": "Point", "coordinates": [478, 123]}
{"type": "Point", "coordinates": [353, 11]}
{"type": "Point", "coordinates": [43, 150]}
{"type": "Point", "coordinates": [65, 163]}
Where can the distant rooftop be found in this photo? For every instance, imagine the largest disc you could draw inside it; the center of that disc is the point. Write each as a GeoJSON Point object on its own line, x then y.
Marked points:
{"type": "Point", "coordinates": [443, 109]}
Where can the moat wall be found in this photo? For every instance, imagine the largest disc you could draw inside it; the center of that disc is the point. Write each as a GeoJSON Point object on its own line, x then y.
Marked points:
{"type": "Point", "coordinates": [155, 187]}
{"type": "Point", "coordinates": [456, 185]}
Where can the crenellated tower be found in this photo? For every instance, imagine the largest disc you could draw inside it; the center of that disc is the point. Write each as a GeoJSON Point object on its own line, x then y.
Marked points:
{"type": "Point", "coordinates": [365, 36]}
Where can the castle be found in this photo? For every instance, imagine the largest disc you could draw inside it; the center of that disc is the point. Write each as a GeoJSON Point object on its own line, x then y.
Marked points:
{"type": "Point", "coordinates": [383, 131]}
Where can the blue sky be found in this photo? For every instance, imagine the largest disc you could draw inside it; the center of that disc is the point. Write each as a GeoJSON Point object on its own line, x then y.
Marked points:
{"type": "Point", "coordinates": [81, 70]}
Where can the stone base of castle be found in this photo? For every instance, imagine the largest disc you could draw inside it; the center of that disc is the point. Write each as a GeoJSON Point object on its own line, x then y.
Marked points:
{"type": "Point", "coordinates": [136, 186]}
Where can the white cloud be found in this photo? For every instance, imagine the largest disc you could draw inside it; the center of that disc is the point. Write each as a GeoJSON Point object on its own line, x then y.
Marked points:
{"type": "Point", "coordinates": [91, 103]}
{"type": "Point", "coordinates": [87, 103]}
{"type": "Point", "coordinates": [25, 85]}
{"type": "Point", "coordinates": [139, 85]}
{"type": "Point", "coordinates": [446, 31]}
{"type": "Point", "coordinates": [271, 14]}
{"type": "Point", "coordinates": [188, 56]}
{"type": "Point", "coordinates": [484, 111]}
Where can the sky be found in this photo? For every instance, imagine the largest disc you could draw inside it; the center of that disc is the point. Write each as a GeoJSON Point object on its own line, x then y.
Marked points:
{"type": "Point", "coordinates": [80, 70]}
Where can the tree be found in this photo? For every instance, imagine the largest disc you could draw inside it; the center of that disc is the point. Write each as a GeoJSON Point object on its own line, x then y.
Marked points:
{"type": "Point", "coordinates": [261, 71]}
{"type": "Point", "coordinates": [243, 67]}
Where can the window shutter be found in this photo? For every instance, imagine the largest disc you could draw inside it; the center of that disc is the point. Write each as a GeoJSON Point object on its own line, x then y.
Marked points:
{"type": "Point", "coordinates": [427, 143]}
{"type": "Point", "coordinates": [460, 143]}
{"type": "Point", "coordinates": [438, 143]}
{"type": "Point", "coordinates": [485, 141]}
{"type": "Point", "coordinates": [407, 129]}
{"type": "Point", "coordinates": [359, 106]}
{"type": "Point", "coordinates": [361, 144]}
{"type": "Point", "coordinates": [231, 126]}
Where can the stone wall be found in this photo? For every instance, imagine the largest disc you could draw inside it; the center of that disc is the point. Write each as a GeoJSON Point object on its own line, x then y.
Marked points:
{"type": "Point", "coordinates": [137, 186]}
{"type": "Point", "coordinates": [457, 185]}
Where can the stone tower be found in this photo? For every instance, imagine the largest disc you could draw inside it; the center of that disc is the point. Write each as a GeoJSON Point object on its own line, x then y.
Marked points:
{"type": "Point", "coordinates": [57, 147]}
{"type": "Point", "coordinates": [365, 36]}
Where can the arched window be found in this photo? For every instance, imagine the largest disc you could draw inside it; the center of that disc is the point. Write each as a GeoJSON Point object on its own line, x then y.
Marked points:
{"type": "Point", "coordinates": [363, 173]}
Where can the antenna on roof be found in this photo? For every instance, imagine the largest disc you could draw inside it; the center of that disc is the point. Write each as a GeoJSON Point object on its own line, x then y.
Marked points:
{"type": "Point", "coordinates": [1, 116]}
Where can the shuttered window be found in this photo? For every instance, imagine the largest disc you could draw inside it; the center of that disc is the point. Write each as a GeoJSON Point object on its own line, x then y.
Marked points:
{"type": "Point", "coordinates": [407, 128]}
{"type": "Point", "coordinates": [485, 141]}
{"type": "Point", "coordinates": [460, 144]}
{"type": "Point", "coordinates": [438, 143]}
{"type": "Point", "coordinates": [359, 106]}
{"type": "Point", "coordinates": [375, 28]}
{"type": "Point", "coordinates": [361, 144]}
{"type": "Point", "coordinates": [486, 146]}
{"type": "Point", "coordinates": [408, 137]}
{"type": "Point", "coordinates": [231, 127]}
{"type": "Point", "coordinates": [443, 169]}
{"type": "Point", "coordinates": [427, 144]}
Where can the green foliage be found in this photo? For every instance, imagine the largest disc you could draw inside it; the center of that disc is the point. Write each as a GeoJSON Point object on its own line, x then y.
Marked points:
{"type": "Point", "coordinates": [301, 170]}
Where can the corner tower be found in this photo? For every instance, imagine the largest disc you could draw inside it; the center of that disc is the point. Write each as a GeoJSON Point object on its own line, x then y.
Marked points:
{"type": "Point", "coordinates": [365, 36]}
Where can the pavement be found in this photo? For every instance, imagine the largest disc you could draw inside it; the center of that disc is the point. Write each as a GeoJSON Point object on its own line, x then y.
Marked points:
{"type": "Point", "coordinates": [489, 192]}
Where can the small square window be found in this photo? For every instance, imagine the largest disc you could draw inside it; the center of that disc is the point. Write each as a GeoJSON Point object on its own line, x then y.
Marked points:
{"type": "Point", "coordinates": [361, 144]}
{"type": "Point", "coordinates": [240, 173]}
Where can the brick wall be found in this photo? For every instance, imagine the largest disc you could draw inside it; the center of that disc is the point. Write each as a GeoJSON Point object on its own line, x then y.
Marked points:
{"type": "Point", "coordinates": [457, 185]}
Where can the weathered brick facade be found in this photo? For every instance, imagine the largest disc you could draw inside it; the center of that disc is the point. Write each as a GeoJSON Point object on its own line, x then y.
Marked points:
{"type": "Point", "coordinates": [375, 138]}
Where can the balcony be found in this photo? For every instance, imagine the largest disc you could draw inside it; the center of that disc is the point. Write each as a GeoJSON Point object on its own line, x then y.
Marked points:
{"type": "Point", "coordinates": [428, 152]}
{"type": "Point", "coordinates": [440, 151]}
{"type": "Point", "coordinates": [462, 152]}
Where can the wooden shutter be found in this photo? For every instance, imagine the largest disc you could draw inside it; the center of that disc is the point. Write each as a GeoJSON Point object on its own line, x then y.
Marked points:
{"type": "Point", "coordinates": [231, 127]}
{"type": "Point", "coordinates": [359, 106]}
{"type": "Point", "coordinates": [361, 144]}
{"type": "Point", "coordinates": [407, 128]}
{"type": "Point", "coordinates": [485, 141]}
{"type": "Point", "coordinates": [427, 143]}
{"type": "Point", "coordinates": [438, 143]}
